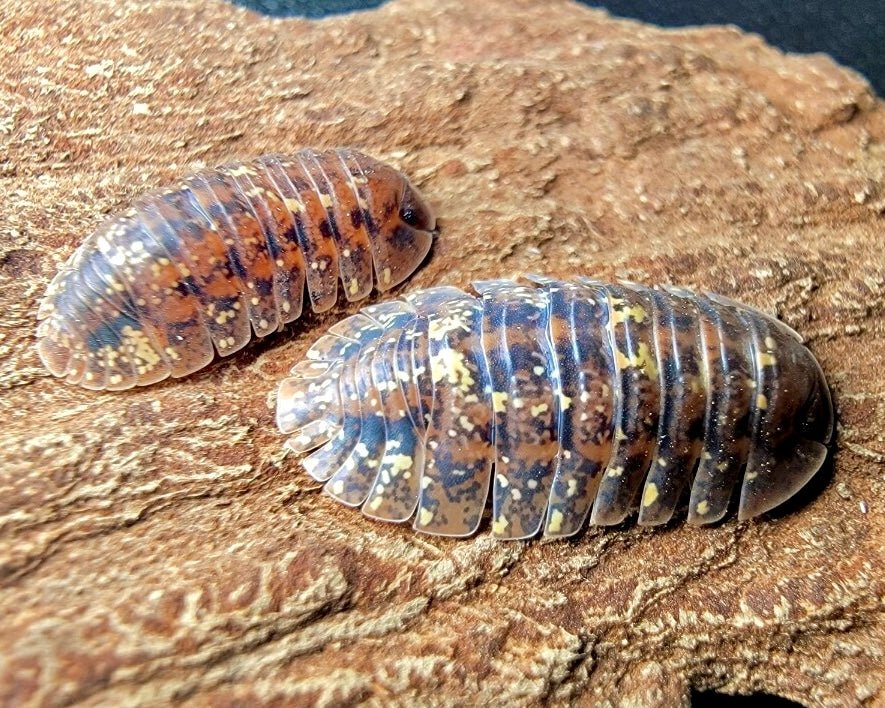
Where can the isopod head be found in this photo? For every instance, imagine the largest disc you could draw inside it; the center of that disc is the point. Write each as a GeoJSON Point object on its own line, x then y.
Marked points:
{"type": "Point", "coordinates": [793, 461]}
{"type": "Point", "coordinates": [403, 233]}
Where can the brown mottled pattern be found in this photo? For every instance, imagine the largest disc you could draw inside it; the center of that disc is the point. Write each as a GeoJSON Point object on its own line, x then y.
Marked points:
{"type": "Point", "coordinates": [729, 383]}
{"type": "Point", "coordinates": [586, 379]}
{"type": "Point", "coordinates": [636, 366]}
{"type": "Point", "coordinates": [522, 373]}
{"type": "Point", "coordinates": [682, 374]}
{"type": "Point", "coordinates": [585, 396]}
{"type": "Point", "coordinates": [197, 269]}
{"type": "Point", "coordinates": [458, 443]}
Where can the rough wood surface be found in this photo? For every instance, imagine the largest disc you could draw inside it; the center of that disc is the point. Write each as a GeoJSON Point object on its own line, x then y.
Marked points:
{"type": "Point", "coordinates": [157, 545]}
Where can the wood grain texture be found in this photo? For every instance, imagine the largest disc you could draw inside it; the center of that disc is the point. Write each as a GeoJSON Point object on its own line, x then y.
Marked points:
{"type": "Point", "coordinates": [157, 545]}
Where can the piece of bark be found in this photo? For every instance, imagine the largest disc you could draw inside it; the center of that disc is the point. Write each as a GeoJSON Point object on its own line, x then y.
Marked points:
{"type": "Point", "coordinates": [158, 545]}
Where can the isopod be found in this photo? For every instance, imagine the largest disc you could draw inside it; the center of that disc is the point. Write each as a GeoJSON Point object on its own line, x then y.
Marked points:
{"type": "Point", "coordinates": [198, 268]}
{"type": "Point", "coordinates": [566, 399]}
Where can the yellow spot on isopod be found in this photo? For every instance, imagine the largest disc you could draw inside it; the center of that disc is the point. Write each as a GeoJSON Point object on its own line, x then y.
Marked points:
{"type": "Point", "coordinates": [703, 507]}
{"type": "Point", "coordinates": [643, 360]}
{"type": "Point", "coordinates": [451, 365]}
{"type": "Point", "coordinates": [761, 401]}
{"type": "Point", "coordinates": [537, 410]}
{"type": "Point", "coordinates": [766, 359]}
{"type": "Point", "coordinates": [136, 339]}
{"type": "Point", "coordinates": [650, 495]}
{"type": "Point", "coordinates": [425, 516]}
{"type": "Point", "coordinates": [555, 524]}
{"type": "Point", "coordinates": [636, 313]}
{"type": "Point", "coordinates": [500, 526]}
{"type": "Point", "coordinates": [397, 463]}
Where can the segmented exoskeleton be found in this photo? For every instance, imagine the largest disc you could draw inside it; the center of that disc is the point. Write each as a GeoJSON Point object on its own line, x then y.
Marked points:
{"type": "Point", "coordinates": [586, 398]}
{"type": "Point", "coordinates": [199, 267]}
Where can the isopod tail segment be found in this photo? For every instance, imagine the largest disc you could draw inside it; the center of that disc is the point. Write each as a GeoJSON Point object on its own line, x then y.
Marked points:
{"type": "Point", "coordinates": [200, 268]}
{"type": "Point", "coordinates": [562, 402]}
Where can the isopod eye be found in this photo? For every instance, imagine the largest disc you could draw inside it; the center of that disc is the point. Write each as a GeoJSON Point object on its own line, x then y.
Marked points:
{"type": "Point", "coordinates": [410, 216]}
{"type": "Point", "coordinates": [414, 210]}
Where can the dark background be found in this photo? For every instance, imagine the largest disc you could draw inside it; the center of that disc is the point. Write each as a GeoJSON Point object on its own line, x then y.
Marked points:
{"type": "Point", "coordinates": [852, 31]}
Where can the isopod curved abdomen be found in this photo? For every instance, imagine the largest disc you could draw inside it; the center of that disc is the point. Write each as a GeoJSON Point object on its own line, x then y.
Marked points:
{"type": "Point", "coordinates": [198, 268]}
{"type": "Point", "coordinates": [587, 399]}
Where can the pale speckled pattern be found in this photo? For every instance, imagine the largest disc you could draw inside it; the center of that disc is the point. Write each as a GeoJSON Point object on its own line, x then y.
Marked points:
{"type": "Point", "coordinates": [588, 397]}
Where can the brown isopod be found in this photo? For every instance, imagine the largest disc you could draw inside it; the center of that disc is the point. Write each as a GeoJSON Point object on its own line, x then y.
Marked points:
{"type": "Point", "coordinates": [196, 269]}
